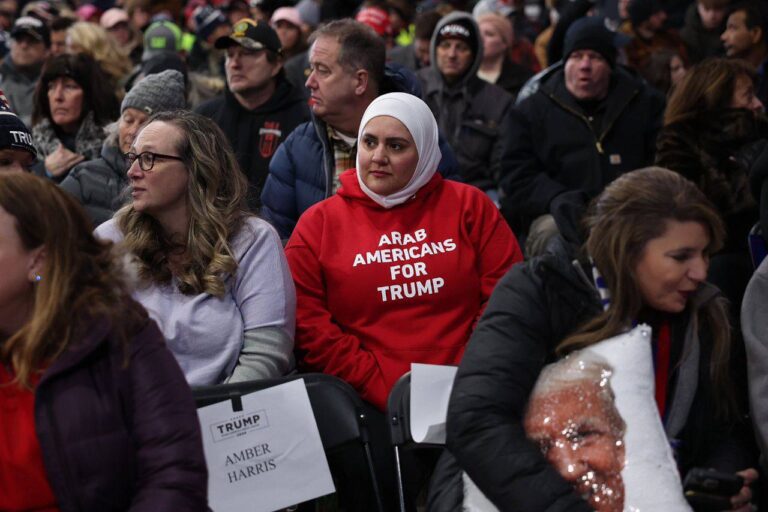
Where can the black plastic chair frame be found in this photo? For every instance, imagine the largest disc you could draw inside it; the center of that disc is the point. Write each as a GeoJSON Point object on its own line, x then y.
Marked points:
{"type": "Point", "coordinates": [399, 412]}
{"type": "Point", "coordinates": [337, 408]}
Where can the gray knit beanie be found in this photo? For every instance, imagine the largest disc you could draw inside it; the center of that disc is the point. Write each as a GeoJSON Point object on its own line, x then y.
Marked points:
{"type": "Point", "coordinates": [156, 93]}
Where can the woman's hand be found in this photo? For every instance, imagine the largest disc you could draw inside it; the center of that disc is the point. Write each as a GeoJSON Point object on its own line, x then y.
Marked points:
{"type": "Point", "coordinates": [741, 500]}
{"type": "Point", "coordinates": [61, 161]}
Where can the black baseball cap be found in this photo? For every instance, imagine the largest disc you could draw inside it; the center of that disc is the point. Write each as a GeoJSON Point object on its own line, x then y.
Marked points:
{"type": "Point", "coordinates": [32, 27]}
{"type": "Point", "coordinates": [251, 34]}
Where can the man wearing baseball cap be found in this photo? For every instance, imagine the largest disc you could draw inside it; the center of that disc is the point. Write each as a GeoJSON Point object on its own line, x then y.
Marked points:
{"type": "Point", "coordinates": [588, 121]}
{"type": "Point", "coordinates": [161, 37]}
{"type": "Point", "coordinates": [260, 107]}
{"type": "Point", "coordinates": [468, 109]}
{"type": "Point", "coordinates": [30, 40]}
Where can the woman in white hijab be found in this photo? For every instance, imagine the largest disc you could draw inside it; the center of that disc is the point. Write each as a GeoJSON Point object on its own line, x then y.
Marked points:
{"type": "Point", "coordinates": [395, 269]}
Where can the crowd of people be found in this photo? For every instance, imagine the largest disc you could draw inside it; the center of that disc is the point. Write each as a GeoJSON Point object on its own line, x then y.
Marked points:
{"type": "Point", "coordinates": [202, 192]}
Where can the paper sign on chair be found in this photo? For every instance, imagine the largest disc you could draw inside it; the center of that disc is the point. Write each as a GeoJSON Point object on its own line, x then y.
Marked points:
{"type": "Point", "coordinates": [266, 457]}
{"type": "Point", "coordinates": [431, 386]}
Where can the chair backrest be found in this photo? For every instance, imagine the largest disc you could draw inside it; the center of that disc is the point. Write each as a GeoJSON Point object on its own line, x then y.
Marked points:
{"type": "Point", "coordinates": [399, 411]}
{"type": "Point", "coordinates": [335, 404]}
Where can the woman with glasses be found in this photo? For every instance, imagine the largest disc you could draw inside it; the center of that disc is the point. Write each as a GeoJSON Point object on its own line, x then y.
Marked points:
{"type": "Point", "coordinates": [211, 275]}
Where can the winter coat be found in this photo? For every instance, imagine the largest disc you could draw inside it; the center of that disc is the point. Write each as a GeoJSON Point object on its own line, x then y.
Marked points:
{"type": "Point", "coordinates": [301, 172]}
{"type": "Point", "coordinates": [753, 314]}
{"type": "Point", "coordinates": [469, 112]}
{"type": "Point", "coordinates": [19, 88]}
{"type": "Point", "coordinates": [378, 289]}
{"type": "Point", "coordinates": [534, 308]}
{"type": "Point", "coordinates": [98, 183]}
{"type": "Point", "coordinates": [256, 134]}
{"type": "Point", "coordinates": [117, 425]}
{"type": "Point", "coordinates": [513, 76]}
{"type": "Point", "coordinates": [700, 42]}
{"type": "Point", "coordinates": [705, 149]}
{"type": "Point", "coordinates": [553, 153]}
{"type": "Point", "coordinates": [88, 139]}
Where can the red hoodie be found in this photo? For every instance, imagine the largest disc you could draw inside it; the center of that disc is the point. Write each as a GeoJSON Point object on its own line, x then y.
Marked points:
{"type": "Point", "coordinates": [378, 289]}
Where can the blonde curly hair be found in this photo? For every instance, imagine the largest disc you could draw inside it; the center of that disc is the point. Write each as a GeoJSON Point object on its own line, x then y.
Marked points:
{"type": "Point", "coordinates": [94, 41]}
{"type": "Point", "coordinates": [216, 197]}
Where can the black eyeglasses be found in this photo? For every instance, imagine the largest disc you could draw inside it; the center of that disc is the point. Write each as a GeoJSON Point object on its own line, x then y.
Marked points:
{"type": "Point", "coordinates": [147, 159]}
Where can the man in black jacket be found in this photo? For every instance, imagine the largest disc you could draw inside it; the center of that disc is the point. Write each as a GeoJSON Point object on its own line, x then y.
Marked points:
{"type": "Point", "coordinates": [260, 108]}
{"type": "Point", "coordinates": [588, 122]}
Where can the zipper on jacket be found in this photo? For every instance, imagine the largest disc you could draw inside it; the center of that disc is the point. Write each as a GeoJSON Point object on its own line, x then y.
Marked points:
{"type": "Point", "coordinates": [601, 137]}
{"type": "Point", "coordinates": [608, 128]}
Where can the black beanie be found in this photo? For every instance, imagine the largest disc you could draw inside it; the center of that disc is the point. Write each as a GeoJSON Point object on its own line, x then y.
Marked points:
{"type": "Point", "coordinates": [463, 29]}
{"type": "Point", "coordinates": [590, 33]}
{"type": "Point", "coordinates": [14, 134]}
{"type": "Point", "coordinates": [641, 10]}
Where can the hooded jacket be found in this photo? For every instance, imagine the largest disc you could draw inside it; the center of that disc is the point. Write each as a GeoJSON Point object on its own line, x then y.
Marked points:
{"type": "Point", "coordinates": [533, 308]}
{"type": "Point", "coordinates": [256, 134]}
{"type": "Point", "coordinates": [363, 272]}
{"type": "Point", "coordinates": [301, 172]}
{"type": "Point", "coordinates": [469, 112]}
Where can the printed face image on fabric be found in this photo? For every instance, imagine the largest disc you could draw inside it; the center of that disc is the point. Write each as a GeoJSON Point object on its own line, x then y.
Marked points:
{"type": "Point", "coordinates": [574, 420]}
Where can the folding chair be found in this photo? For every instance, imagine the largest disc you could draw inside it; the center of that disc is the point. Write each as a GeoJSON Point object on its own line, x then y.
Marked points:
{"type": "Point", "coordinates": [336, 406]}
{"type": "Point", "coordinates": [399, 411]}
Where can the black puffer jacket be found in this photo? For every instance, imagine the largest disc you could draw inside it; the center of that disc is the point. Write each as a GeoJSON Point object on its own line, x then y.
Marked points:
{"type": "Point", "coordinates": [533, 308]}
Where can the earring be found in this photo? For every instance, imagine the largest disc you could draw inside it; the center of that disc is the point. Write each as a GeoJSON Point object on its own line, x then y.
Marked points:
{"type": "Point", "coordinates": [38, 278]}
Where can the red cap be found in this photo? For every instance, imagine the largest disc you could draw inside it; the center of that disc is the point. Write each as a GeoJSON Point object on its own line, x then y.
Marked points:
{"type": "Point", "coordinates": [377, 19]}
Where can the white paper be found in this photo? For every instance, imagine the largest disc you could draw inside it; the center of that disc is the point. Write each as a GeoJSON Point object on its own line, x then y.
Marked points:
{"type": "Point", "coordinates": [266, 457]}
{"type": "Point", "coordinates": [431, 386]}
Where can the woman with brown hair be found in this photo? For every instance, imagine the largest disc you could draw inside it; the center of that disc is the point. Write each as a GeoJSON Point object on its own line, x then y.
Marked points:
{"type": "Point", "coordinates": [213, 276]}
{"type": "Point", "coordinates": [712, 119]}
{"type": "Point", "coordinates": [73, 102]}
{"type": "Point", "coordinates": [95, 412]}
{"type": "Point", "coordinates": [651, 234]}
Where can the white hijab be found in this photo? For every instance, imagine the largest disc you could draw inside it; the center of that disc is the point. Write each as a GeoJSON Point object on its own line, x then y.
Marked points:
{"type": "Point", "coordinates": [418, 119]}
